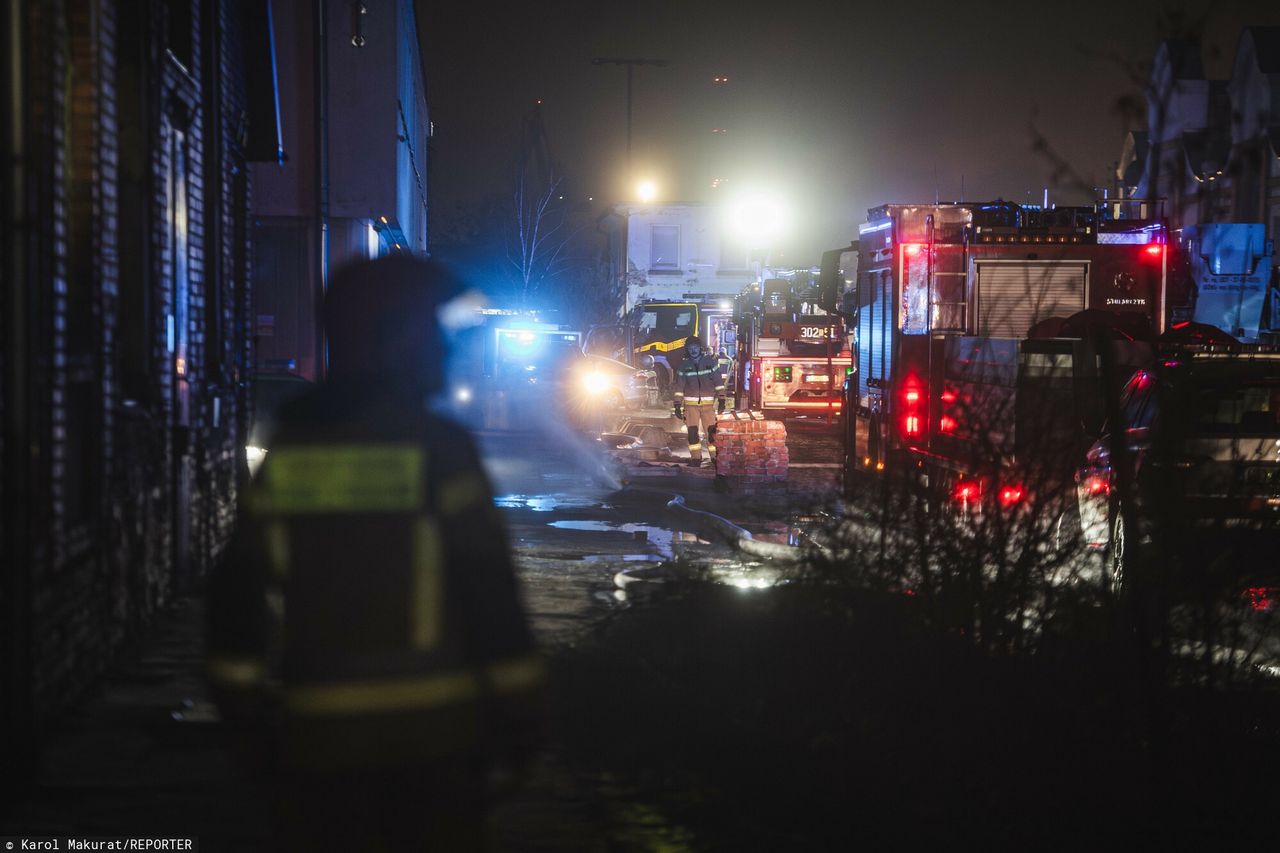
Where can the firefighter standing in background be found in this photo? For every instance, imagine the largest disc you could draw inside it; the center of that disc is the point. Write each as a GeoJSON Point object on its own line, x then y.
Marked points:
{"type": "Point", "coordinates": [366, 619]}
{"type": "Point", "coordinates": [726, 370]}
{"type": "Point", "coordinates": [699, 397]}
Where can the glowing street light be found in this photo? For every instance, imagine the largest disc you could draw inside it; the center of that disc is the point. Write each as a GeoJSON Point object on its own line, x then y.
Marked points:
{"type": "Point", "coordinates": [759, 218]}
{"type": "Point", "coordinates": [646, 191]}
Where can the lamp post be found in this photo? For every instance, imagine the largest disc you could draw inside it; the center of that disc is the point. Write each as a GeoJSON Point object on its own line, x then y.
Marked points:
{"type": "Point", "coordinates": [630, 66]}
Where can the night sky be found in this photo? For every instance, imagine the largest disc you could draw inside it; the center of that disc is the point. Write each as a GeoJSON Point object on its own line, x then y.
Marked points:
{"type": "Point", "coordinates": [837, 106]}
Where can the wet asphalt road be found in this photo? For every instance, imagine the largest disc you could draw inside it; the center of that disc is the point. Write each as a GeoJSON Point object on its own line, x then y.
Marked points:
{"type": "Point", "coordinates": [572, 530]}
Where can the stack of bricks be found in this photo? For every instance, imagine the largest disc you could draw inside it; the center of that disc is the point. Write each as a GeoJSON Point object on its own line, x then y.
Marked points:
{"type": "Point", "coordinates": [751, 451]}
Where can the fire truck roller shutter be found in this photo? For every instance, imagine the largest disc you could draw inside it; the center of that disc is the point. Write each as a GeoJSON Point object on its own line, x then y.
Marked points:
{"type": "Point", "coordinates": [1015, 295]}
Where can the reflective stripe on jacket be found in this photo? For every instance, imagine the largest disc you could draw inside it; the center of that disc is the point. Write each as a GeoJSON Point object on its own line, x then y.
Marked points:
{"type": "Point", "coordinates": [699, 380]}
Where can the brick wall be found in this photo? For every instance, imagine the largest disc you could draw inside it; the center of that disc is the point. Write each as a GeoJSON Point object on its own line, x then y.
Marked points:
{"type": "Point", "coordinates": [751, 451]}
{"type": "Point", "coordinates": [126, 461]}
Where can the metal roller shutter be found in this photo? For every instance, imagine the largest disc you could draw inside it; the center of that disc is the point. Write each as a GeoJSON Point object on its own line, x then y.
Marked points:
{"type": "Point", "coordinates": [1013, 297]}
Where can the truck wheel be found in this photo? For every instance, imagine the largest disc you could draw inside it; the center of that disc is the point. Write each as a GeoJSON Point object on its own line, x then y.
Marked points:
{"type": "Point", "coordinates": [1116, 557]}
{"type": "Point", "coordinates": [1067, 529]}
{"type": "Point", "coordinates": [851, 471]}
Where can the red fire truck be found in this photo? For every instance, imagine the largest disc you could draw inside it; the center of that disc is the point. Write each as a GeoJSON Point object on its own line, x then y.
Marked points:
{"type": "Point", "coordinates": [974, 348]}
{"type": "Point", "coordinates": [792, 353]}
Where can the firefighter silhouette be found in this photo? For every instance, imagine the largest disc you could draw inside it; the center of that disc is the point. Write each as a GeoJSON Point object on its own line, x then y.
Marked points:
{"type": "Point", "coordinates": [365, 625]}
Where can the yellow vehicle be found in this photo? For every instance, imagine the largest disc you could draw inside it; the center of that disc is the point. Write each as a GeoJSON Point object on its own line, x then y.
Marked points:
{"type": "Point", "coordinates": [653, 335]}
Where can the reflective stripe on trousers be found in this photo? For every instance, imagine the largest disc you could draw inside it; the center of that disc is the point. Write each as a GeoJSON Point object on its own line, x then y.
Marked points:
{"type": "Point", "coordinates": [702, 417]}
{"type": "Point", "coordinates": [414, 693]}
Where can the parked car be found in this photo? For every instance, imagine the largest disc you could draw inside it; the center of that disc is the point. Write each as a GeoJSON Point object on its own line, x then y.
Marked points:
{"type": "Point", "coordinates": [613, 383]}
{"type": "Point", "coordinates": [1202, 434]}
{"type": "Point", "coordinates": [271, 392]}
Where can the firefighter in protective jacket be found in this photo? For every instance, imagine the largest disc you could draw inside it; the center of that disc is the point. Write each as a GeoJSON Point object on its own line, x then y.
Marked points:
{"type": "Point", "coordinates": [699, 397]}
{"type": "Point", "coordinates": [366, 616]}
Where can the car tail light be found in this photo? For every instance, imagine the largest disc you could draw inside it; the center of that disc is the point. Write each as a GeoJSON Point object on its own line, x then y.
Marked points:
{"type": "Point", "coordinates": [1262, 598]}
{"type": "Point", "coordinates": [1010, 495]}
{"type": "Point", "coordinates": [1096, 484]}
{"type": "Point", "coordinates": [949, 396]}
{"type": "Point", "coordinates": [912, 417]}
{"type": "Point", "coordinates": [966, 491]}
{"type": "Point", "coordinates": [912, 248]}
{"type": "Point", "coordinates": [947, 424]}
{"type": "Point", "coordinates": [1154, 250]}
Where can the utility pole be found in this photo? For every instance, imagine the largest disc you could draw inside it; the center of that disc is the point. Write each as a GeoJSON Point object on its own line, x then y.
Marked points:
{"type": "Point", "coordinates": [630, 65]}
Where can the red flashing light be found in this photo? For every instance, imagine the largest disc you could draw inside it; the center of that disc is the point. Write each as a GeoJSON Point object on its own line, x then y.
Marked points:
{"type": "Point", "coordinates": [1010, 495]}
{"type": "Point", "coordinates": [966, 491]}
{"type": "Point", "coordinates": [911, 425]}
{"type": "Point", "coordinates": [949, 395]}
{"type": "Point", "coordinates": [912, 396]}
{"type": "Point", "coordinates": [946, 423]}
{"type": "Point", "coordinates": [911, 248]}
{"type": "Point", "coordinates": [1155, 250]}
{"type": "Point", "coordinates": [1095, 485]}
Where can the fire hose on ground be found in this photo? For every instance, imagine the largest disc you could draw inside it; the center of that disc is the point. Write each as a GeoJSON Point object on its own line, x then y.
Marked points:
{"type": "Point", "coordinates": [739, 537]}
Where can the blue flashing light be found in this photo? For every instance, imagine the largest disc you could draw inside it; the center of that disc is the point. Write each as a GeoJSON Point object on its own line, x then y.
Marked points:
{"type": "Point", "coordinates": [519, 342]}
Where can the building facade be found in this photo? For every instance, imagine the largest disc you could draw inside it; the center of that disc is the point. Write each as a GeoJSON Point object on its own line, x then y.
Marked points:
{"type": "Point", "coordinates": [1211, 149]}
{"type": "Point", "coordinates": [126, 137]}
{"type": "Point", "coordinates": [671, 251]}
{"type": "Point", "coordinates": [355, 183]}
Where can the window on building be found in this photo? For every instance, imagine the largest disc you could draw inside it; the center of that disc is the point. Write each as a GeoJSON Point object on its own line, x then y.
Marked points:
{"type": "Point", "coordinates": [664, 248]}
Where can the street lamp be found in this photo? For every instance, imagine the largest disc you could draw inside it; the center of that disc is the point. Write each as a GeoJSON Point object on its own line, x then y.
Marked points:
{"type": "Point", "coordinates": [759, 218]}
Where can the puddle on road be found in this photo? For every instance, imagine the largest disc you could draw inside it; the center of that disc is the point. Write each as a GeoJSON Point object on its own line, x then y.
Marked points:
{"type": "Point", "coordinates": [622, 558]}
{"type": "Point", "coordinates": [547, 503]}
{"type": "Point", "coordinates": [661, 538]}
{"type": "Point", "coordinates": [743, 575]}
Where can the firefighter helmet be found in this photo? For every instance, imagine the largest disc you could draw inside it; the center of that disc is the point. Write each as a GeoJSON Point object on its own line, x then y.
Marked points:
{"type": "Point", "coordinates": [380, 318]}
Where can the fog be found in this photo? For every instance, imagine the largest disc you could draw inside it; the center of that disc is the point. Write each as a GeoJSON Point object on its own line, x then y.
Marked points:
{"type": "Point", "coordinates": [842, 107]}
